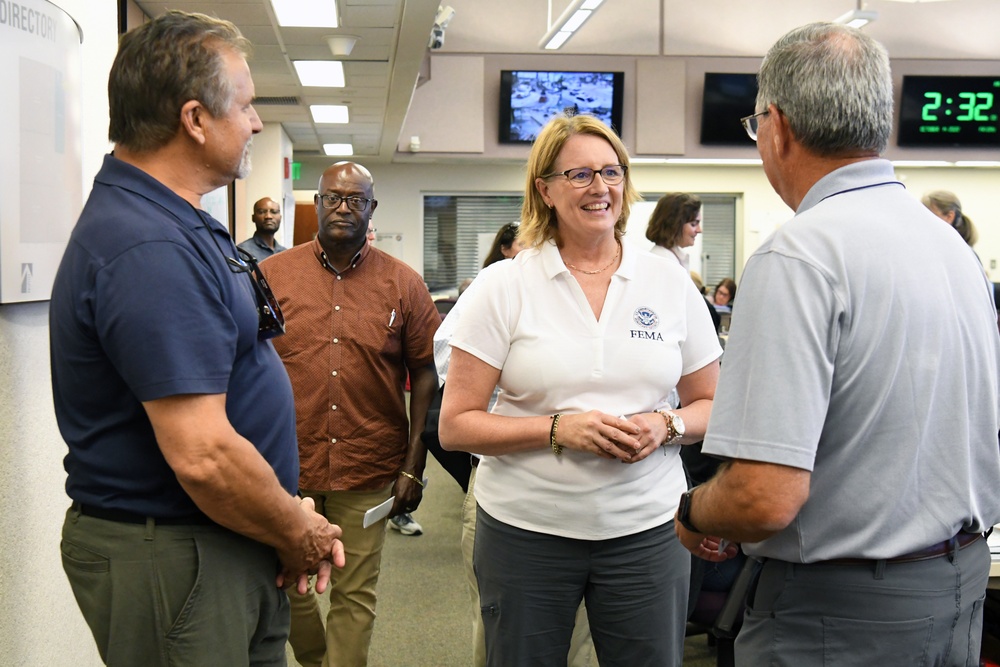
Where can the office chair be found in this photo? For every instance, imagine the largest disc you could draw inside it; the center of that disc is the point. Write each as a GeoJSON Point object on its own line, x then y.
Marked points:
{"type": "Point", "coordinates": [719, 614]}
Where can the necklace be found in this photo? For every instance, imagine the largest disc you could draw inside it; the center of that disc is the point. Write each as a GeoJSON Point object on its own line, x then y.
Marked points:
{"type": "Point", "coordinates": [604, 268]}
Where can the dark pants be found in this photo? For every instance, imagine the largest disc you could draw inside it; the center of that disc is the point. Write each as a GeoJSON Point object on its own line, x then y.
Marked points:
{"type": "Point", "coordinates": [175, 595]}
{"type": "Point", "coordinates": [531, 584]}
{"type": "Point", "coordinates": [919, 613]}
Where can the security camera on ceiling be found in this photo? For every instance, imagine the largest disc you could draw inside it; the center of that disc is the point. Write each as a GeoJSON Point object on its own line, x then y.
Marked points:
{"type": "Point", "coordinates": [444, 16]}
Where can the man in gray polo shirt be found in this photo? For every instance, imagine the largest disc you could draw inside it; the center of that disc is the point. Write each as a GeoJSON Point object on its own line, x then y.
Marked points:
{"type": "Point", "coordinates": [858, 401]}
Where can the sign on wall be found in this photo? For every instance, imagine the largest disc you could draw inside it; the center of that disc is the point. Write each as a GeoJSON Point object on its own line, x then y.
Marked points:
{"type": "Point", "coordinates": [40, 162]}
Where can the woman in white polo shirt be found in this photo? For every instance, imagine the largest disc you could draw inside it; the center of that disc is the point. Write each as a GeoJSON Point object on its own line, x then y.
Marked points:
{"type": "Point", "coordinates": [586, 338]}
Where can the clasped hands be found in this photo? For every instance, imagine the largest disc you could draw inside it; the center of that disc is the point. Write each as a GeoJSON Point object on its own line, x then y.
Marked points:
{"type": "Point", "coordinates": [629, 440]}
{"type": "Point", "coordinates": [316, 554]}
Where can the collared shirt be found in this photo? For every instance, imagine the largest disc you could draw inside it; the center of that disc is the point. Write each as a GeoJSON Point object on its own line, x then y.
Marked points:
{"type": "Point", "coordinates": [350, 339]}
{"type": "Point", "coordinates": [864, 348]}
{"type": "Point", "coordinates": [529, 318]}
{"type": "Point", "coordinates": [144, 306]}
{"type": "Point", "coordinates": [676, 253]}
{"type": "Point", "coordinates": [256, 246]}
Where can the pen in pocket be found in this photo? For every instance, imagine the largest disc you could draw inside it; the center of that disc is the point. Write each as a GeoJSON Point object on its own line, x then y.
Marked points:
{"type": "Point", "coordinates": [392, 317]}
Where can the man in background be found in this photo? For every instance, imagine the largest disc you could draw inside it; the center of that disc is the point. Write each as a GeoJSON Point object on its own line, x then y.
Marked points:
{"type": "Point", "coordinates": [858, 402]}
{"type": "Point", "coordinates": [359, 321]}
{"type": "Point", "coordinates": [182, 463]}
{"type": "Point", "coordinates": [267, 218]}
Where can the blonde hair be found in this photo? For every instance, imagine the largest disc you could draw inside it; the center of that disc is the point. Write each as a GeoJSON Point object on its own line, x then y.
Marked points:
{"type": "Point", "coordinates": [538, 221]}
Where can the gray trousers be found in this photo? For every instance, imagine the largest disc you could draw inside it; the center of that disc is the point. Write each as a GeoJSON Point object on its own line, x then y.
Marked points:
{"type": "Point", "coordinates": [531, 584]}
{"type": "Point", "coordinates": [175, 596]}
{"type": "Point", "coordinates": [913, 614]}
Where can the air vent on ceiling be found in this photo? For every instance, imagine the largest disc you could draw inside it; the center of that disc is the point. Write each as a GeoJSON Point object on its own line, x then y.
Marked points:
{"type": "Point", "coordinates": [276, 101]}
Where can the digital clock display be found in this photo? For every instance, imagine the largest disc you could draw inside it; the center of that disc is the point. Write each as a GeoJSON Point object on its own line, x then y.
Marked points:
{"type": "Point", "coordinates": [950, 111]}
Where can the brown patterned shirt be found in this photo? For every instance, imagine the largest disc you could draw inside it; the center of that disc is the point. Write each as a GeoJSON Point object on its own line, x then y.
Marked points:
{"type": "Point", "coordinates": [349, 340]}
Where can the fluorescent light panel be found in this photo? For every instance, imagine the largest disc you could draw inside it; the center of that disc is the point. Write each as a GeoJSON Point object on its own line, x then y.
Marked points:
{"type": "Point", "coordinates": [857, 18]}
{"type": "Point", "coordinates": [320, 73]}
{"type": "Point", "coordinates": [329, 113]}
{"type": "Point", "coordinates": [338, 149]}
{"type": "Point", "coordinates": [306, 13]}
{"type": "Point", "coordinates": [569, 22]}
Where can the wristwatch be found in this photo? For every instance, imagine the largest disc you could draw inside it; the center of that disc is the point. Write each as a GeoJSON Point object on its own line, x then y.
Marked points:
{"type": "Point", "coordinates": [684, 511]}
{"type": "Point", "coordinates": [675, 426]}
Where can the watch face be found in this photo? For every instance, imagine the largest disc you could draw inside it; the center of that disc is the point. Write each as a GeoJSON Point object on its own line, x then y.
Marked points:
{"type": "Point", "coordinates": [678, 424]}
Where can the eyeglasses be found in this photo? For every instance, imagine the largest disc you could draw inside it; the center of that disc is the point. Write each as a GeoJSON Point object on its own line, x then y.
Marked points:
{"type": "Point", "coordinates": [581, 177]}
{"type": "Point", "coordinates": [750, 123]}
{"type": "Point", "coordinates": [354, 203]}
{"type": "Point", "coordinates": [270, 321]}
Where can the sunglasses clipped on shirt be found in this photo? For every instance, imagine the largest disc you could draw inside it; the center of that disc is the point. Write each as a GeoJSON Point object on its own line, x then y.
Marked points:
{"type": "Point", "coordinates": [270, 321]}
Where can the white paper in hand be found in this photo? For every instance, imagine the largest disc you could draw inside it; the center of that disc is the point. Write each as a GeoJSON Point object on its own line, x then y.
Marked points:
{"type": "Point", "coordinates": [378, 512]}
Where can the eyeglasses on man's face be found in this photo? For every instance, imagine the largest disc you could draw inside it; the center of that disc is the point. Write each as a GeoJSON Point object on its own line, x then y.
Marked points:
{"type": "Point", "coordinates": [750, 123]}
{"type": "Point", "coordinates": [270, 321]}
{"type": "Point", "coordinates": [581, 177]}
{"type": "Point", "coordinates": [357, 204]}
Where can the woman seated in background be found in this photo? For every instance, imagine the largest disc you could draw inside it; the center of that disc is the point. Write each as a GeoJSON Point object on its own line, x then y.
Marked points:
{"type": "Point", "coordinates": [586, 340]}
{"type": "Point", "coordinates": [725, 292]}
{"type": "Point", "coordinates": [946, 206]}
{"type": "Point", "coordinates": [674, 225]}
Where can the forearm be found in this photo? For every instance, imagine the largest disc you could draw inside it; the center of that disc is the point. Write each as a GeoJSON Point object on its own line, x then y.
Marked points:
{"type": "Point", "coordinates": [480, 432]}
{"type": "Point", "coordinates": [748, 501]}
{"type": "Point", "coordinates": [695, 418]}
{"type": "Point", "coordinates": [423, 386]}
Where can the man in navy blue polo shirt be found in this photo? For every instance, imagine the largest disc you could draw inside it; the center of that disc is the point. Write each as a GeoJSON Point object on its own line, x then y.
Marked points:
{"type": "Point", "coordinates": [184, 523]}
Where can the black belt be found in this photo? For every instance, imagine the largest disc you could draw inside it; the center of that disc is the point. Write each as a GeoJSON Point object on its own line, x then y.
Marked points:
{"type": "Point", "coordinates": [960, 541]}
{"type": "Point", "coordinates": [123, 516]}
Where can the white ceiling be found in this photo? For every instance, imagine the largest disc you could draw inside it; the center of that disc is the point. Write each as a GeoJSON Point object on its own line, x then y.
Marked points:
{"type": "Point", "coordinates": [382, 70]}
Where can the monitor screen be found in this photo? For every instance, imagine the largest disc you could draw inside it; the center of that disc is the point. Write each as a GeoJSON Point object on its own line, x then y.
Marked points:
{"type": "Point", "coordinates": [727, 98]}
{"type": "Point", "coordinates": [528, 99]}
{"type": "Point", "coordinates": [950, 111]}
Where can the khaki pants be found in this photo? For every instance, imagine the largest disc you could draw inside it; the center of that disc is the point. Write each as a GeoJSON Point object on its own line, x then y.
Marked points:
{"type": "Point", "coordinates": [344, 639]}
{"type": "Point", "coordinates": [581, 647]}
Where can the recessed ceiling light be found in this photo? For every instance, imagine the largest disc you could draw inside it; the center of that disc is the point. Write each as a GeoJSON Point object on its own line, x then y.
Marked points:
{"type": "Point", "coordinates": [321, 73]}
{"type": "Point", "coordinates": [329, 113]}
{"type": "Point", "coordinates": [306, 13]}
{"type": "Point", "coordinates": [338, 149]}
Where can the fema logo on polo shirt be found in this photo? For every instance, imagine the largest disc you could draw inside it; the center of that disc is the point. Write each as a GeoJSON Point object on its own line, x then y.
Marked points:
{"type": "Point", "coordinates": [647, 319]}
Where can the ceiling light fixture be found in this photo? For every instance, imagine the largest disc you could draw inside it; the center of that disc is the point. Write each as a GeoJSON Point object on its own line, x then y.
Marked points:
{"type": "Point", "coordinates": [341, 45]}
{"type": "Point", "coordinates": [305, 13]}
{"type": "Point", "coordinates": [320, 73]}
{"type": "Point", "coordinates": [329, 113]}
{"type": "Point", "coordinates": [568, 22]}
{"type": "Point", "coordinates": [857, 17]}
{"type": "Point", "coordinates": [342, 150]}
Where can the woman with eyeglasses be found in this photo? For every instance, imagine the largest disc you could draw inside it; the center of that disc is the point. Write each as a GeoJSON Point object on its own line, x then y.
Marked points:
{"type": "Point", "coordinates": [724, 294]}
{"type": "Point", "coordinates": [586, 339]}
{"type": "Point", "coordinates": [674, 225]}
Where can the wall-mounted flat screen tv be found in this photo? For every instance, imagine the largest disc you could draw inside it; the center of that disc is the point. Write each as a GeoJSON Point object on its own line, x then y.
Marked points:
{"type": "Point", "coordinates": [727, 98]}
{"type": "Point", "coordinates": [950, 111]}
{"type": "Point", "coordinates": [528, 99]}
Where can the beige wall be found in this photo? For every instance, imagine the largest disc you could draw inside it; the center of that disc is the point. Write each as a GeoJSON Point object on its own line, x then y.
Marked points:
{"type": "Point", "coordinates": [400, 189]}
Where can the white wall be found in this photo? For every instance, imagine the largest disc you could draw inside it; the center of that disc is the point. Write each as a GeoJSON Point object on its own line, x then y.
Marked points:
{"type": "Point", "coordinates": [39, 620]}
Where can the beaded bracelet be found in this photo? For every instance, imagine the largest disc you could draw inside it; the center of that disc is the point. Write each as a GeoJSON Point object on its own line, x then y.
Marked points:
{"type": "Point", "coordinates": [411, 476]}
{"type": "Point", "coordinates": [556, 447]}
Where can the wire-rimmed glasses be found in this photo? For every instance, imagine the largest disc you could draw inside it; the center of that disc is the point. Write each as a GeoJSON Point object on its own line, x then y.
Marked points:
{"type": "Point", "coordinates": [581, 177]}
{"type": "Point", "coordinates": [357, 204]}
{"type": "Point", "coordinates": [751, 122]}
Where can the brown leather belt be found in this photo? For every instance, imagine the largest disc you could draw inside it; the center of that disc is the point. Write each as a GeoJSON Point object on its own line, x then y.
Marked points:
{"type": "Point", "coordinates": [934, 551]}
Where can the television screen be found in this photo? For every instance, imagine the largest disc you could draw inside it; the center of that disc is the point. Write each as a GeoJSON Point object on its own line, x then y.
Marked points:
{"type": "Point", "coordinates": [728, 97]}
{"type": "Point", "coordinates": [950, 111]}
{"type": "Point", "coordinates": [528, 99]}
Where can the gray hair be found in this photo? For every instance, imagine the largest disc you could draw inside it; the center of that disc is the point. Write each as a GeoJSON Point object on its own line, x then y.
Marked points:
{"type": "Point", "coordinates": [160, 67]}
{"type": "Point", "coordinates": [834, 85]}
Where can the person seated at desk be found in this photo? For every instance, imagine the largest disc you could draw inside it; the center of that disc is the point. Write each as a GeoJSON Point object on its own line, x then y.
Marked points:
{"type": "Point", "coordinates": [725, 293]}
